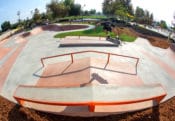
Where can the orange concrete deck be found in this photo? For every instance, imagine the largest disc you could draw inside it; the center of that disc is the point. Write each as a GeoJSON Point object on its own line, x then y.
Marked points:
{"type": "Point", "coordinates": [5, 68]}
{"type": "Point", "coordinates": [4, 51]}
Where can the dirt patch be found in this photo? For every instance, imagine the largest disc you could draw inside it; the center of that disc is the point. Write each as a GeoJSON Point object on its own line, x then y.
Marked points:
{"type": "Point", "coordinates": [125, 30]}
{"type": "Point", "coordinates": [12, 112]}
{"type": "Point", "coordinates": [157, 41]}
{"type": "Point", "coordinates": [154, 38]}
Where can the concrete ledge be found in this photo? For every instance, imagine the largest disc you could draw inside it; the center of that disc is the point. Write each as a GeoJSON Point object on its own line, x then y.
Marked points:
{"type": "Point", "coordinates": [85, 41]}
{"type": "Point", "coordinates": [91, 96]}
{"type": "Point", "coordinates": [89, 45]}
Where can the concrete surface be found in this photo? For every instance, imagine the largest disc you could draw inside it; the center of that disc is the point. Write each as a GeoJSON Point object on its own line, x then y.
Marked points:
{"type": "Point", "coordinates": [156, 65]}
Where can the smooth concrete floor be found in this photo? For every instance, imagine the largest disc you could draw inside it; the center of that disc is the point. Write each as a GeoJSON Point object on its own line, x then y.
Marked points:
{"type": "Point", "coordinates": [156, 65]}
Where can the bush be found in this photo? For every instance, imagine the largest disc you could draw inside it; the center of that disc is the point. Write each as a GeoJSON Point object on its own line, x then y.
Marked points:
{"type": "Point", "coordinates": [5, 26]}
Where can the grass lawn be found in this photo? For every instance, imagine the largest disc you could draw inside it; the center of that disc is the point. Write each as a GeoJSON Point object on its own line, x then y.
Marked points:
{"type": "Point", "coordinates": [98, 31]}
{"type": "Point", "coordinates": [127, 38]}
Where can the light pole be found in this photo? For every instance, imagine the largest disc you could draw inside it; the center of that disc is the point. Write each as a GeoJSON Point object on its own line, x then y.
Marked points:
{"type": "Point", "coordinates": [173, 22]}
{"type": "Point", "coordinates": [83, 11]}
{"type": "Point", "coordinates": [18, 14]}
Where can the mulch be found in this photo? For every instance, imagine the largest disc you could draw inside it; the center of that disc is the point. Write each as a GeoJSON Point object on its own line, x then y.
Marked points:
{"type": "Point", "coordinates": [156, 41]}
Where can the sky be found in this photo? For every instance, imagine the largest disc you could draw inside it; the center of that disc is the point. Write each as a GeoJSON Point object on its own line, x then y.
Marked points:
{"type": "Point", "coordinates": [9, 8]}
{"type": "Point", "coordinates": [162, 9]}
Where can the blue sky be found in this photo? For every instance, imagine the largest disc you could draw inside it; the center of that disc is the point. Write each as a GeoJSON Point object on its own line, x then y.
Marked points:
{"type": "Point", "coordinates": [9, 8]}
{"type": "Point", "coordinates": [162, 9]}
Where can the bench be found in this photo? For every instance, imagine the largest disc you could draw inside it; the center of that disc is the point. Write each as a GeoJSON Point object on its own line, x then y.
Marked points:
{"type": "Point", "coordinates": [90, 96]}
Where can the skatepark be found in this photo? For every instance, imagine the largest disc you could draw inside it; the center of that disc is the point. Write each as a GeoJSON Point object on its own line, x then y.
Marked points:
{"type": "Point", "coordinates": [131, 74]}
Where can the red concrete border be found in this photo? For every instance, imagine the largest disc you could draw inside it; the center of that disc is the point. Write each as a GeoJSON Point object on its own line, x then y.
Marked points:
{"type": "Point", "coordinates": [4, 51]}
{"type": "Point", "coordinates": [5, 69]}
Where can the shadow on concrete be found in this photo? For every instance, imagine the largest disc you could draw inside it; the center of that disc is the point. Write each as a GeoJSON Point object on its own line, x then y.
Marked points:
{"type": "Point", "coordinates": [76, 109]}
{"type": "Point", "coordinates": [95, 76]}
{"type": "Point", "coordinates": [80, 70]}
{"type": "Point", "coordinates": [147, 32]}
{"type": "Point", "coordinates": [115, 41]}
{"type": "Point", "coordinates": [88, 45]}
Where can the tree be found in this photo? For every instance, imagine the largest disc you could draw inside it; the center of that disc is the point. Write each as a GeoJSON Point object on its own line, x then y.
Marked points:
{"type": "Point", "coordinates": [173, 22]}
{"type": "Point", "coordinates": [5, 26]}
{"type": "Point", "coordinates": [139, 14]}
{"type": "Point", "coordinates": [15, 25]}
{"type": "Point", "coordinates": [92, 11]}
{"type": "Point", "coordinates": [120, 8]}
{"type": "Point", "coordinates": [72, 8]}
{"type": "Point", "coordinates": [68, 3]}
{"type": "Point", "coordinates": [151, 19]}
{"type": "Point", "coordinates": [37, 16]}
{"type": "Point", "coordinates": [146, 17]}
{"type": "Point", "coordinates": [99, 13]}
{"type": "Point", "coordinates": [26, 23]}
{"type": "Point", "coordinates": [143, 16]}
{"type": "Point", "coordinates": [86, 13]}
{"type": "Point", "coordinates": [58, 9]}
{"type": "Point", "coordinates": [163, 24]}
{"type": "Point", "coordinates": [128, 6]}
{"type": "Point", "coordinates": [106, 8]}
{"type": "Point", "coordinates": [75, 10]}
{"type": "Point", "coordinates": [130, 10]}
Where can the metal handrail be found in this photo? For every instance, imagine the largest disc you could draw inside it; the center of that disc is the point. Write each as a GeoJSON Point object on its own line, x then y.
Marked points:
{"type": "Point", "coordinates": [89, 51]}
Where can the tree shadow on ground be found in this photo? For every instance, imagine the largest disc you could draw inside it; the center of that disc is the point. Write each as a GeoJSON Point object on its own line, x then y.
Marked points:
{"type": "Point", "coordinates": [16, 115]}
